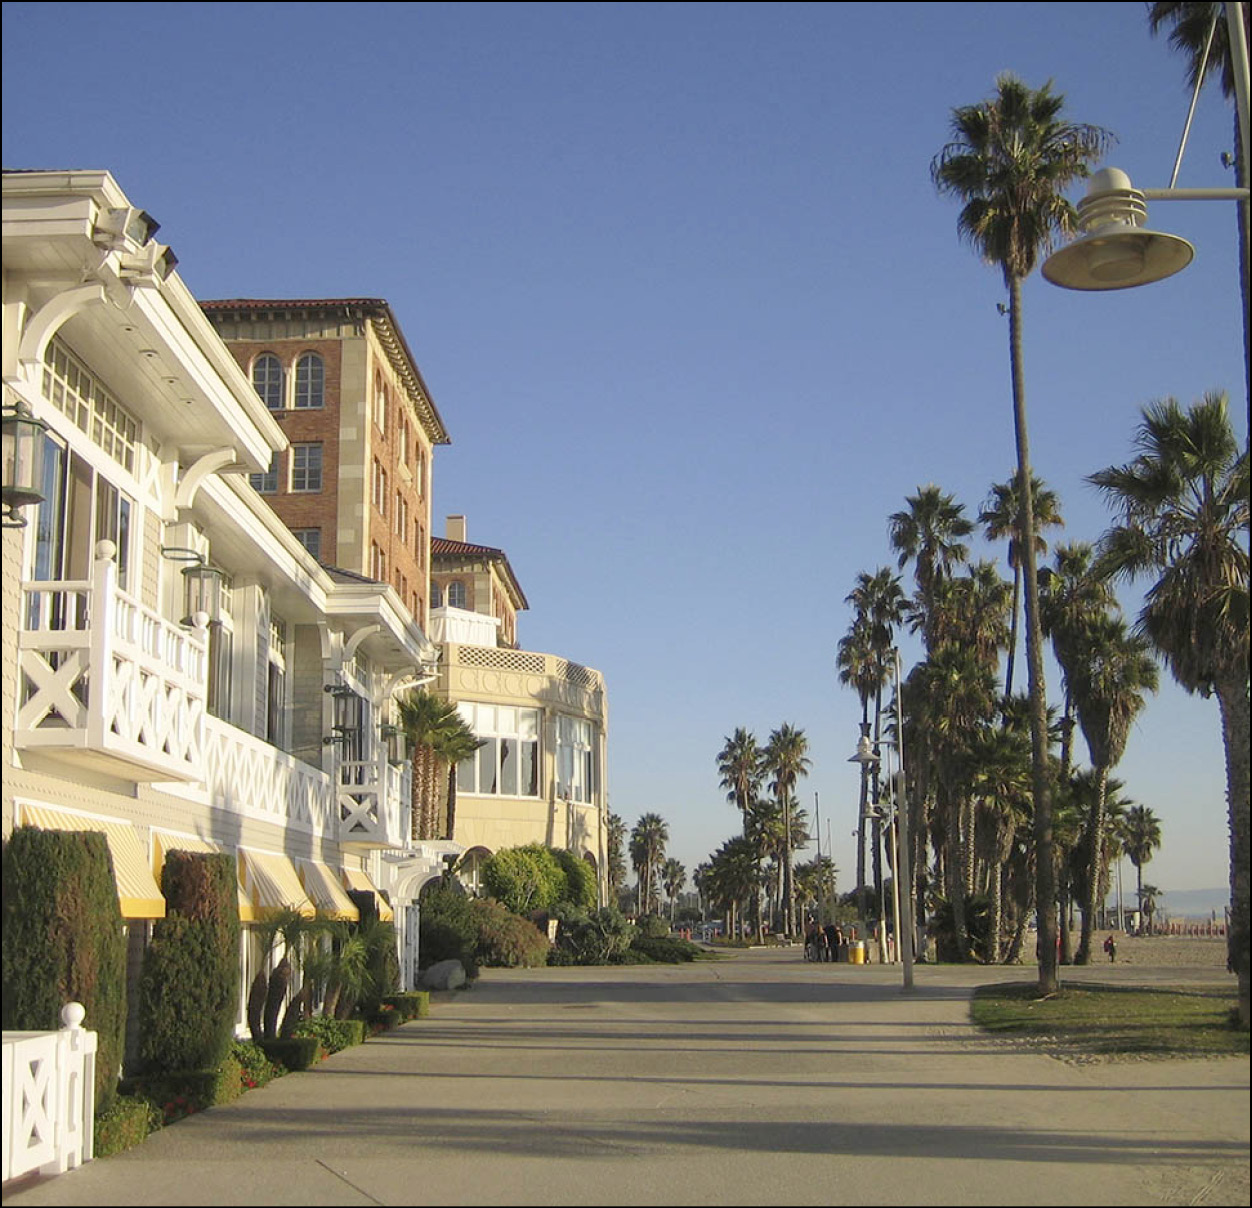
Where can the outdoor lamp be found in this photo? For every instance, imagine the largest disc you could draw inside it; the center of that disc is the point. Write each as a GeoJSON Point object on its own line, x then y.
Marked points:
{"type": "Point", "coordinates": [204, 586]}
{"type": "Point", "coordinates": [22, 481]}
{"type": "Point", "coordinates": [1115, 250]}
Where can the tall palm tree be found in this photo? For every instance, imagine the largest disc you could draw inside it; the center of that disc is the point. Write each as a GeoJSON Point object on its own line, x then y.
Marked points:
{"type": "Point", "coordinates": [1141, 836]}
{"type": "Point", "coordinates": [616, 860]}
{"type": "Point", "coordinates": [424, 718]}
{"type": "Point", "coordinates": [454, 743]}
{"type": "Point", "coordinates": [786, 757]}
{"type": "Point", "coordinates": [1190, 27]}
{"type": "Point", "coordinates": [860, 668]}
{"type": "Point", "coordinates": [1184, 523]}
{"type": "Point", "coordinates": [1115, 671]}
{"type": "Point", "coordinates": [1009, 161]}
{"type": "Point", "coordinates": [673, 877]}
{"type": "Point", "coordinates": [739, 763]}
{"type": "Point", "coordinates": [647, 849]}
{"type": "Point", "coordinates": [1071, 596]}
{"type": "Point", "coordinates": [1001, 517]}
{"type": "Point", "coordinates": [929, 533]}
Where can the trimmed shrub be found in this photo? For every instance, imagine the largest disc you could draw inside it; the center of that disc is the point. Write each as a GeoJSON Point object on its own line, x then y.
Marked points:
{"type": "Point", "coordinates": [64, 941]}
{"type": "Point", "coordinates": [505, 940]}
{"type": "Point", "coordinates": [580, 882]}
{"type": "Point", "coordinates": [334, 1034]}
{"type": "Point", "coordinates": [653, 927]}
{"type": "Point", "coordinates": [526, 879]}
{"type": "Point", "coordinates": [182, 1093]}
{"type": "Point", "coordinates": [667, 949]}
{"type": "Point", "coordinates": [448, 930]}
{"type": "Point", "coordinates": [255, 1068]}
{"type": "Point", "coordinates": [124, 1124]}
{"type": "Point", "coordinates": [297, 1053]}
{"type": "Point", "coordinates": [383, 963]}
{"type": "Point", "coordinates": [190, 982]}
{"type": "Point", "coordinates": [413, 1004]}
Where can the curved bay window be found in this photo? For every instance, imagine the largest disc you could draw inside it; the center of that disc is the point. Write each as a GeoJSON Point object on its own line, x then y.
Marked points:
{"type": "Point", "coordinates": [576, 764]}
{"type": "Point", "coordinates": [507, 764]}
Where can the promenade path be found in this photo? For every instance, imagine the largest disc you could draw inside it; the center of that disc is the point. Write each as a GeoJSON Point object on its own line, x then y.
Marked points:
{"type": "Point", "coordinates": [757, 1080]}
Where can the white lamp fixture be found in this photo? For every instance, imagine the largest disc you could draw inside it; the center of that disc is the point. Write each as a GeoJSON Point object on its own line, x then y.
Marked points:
{"type": "Point", "coordinates": [21, 481]}
{"type": "Point", "coordinates": [1115, 250]}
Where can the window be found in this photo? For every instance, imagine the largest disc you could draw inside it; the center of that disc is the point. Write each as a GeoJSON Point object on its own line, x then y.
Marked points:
{"type": "Point", "coordinates": [267, 380]}
{"type": "Point", "coordinates": [276, 700]}
{"type": "Point", "coordinates": [401, 516]}
{"type": "Point", "coordinates": [419, 476]}
{"type": "Point", "coordinates": [69, 385]}
{"type": "Point", "coordinates": [266, 483]}
{"type": "Point", "coordinates": [380, 403]}
{"type": "Point", "coordinates": [310, 381]}
{"type": "Point", "coordinates": [507, 764]}
{"type": "Point", "coordinates": [379, 483]}
{"type": "Point", "coordinates": [404, 441]}
{"type": "Point", "coordinates": [456, 594]}
{"type": "Point", "coordinates": [576, 763]}
{"type": "Point", "coordinates": [378, 563]}
{"type": "Point", "coordinates": [436, 596]}
{"type": "Point", "coordinates": [306, 467]}
{"type": "Point", "coordinates": [311, 539]}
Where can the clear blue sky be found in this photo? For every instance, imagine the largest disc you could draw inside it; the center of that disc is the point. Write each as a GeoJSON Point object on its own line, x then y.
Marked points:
{"type": "Point", "coordinates": [684, 294]}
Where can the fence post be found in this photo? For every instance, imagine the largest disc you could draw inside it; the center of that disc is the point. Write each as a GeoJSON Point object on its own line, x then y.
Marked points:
{"type": "Point", "coordinates": [76, 1092]}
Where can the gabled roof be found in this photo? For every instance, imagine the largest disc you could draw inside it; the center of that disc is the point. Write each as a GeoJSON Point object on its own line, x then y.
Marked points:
{"type": "Point", "coordinates": [445, 547]}
{"type": "Point", "coordinates": [379, 312]}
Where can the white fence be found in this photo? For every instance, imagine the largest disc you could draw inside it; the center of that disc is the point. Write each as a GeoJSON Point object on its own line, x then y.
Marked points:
{"type": "Point", "coordinates": [49, 1097]}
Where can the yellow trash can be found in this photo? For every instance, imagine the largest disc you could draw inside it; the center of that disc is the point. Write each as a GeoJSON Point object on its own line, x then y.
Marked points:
{"type": "Point", "coordinates": [856, 952]}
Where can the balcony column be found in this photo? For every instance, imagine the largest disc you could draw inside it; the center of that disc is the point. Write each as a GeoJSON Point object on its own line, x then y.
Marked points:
{"type": "Point", "coordinates": [101, 621]}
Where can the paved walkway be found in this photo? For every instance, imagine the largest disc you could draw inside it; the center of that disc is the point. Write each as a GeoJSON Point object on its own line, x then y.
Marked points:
{"type": "Point", "coordinates": [758, 1080]}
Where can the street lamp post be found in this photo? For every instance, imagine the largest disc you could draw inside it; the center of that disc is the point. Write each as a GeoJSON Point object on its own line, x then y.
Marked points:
{"type": "Point", "coordinates": [865, 754]}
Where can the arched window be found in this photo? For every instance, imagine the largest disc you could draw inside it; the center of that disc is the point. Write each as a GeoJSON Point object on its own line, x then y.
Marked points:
{"type": "Point", "coordinates": [456, 594]}
{"type": "Point", "coordinates": [267, 380]}
{"type": "Point", "coordinates": [310, 381]}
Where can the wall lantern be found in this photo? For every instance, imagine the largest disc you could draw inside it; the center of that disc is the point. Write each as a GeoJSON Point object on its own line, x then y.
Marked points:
{"type": "Point", "coordinates": [21, 483]}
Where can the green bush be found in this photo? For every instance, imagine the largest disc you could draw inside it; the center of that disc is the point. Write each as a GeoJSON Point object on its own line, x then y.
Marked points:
{"type": "Point", "coordinates": [448, 930]}
{"type": "Point", "coordinates": [382, 963]}
{"type": "Point", "coordinates": [124, 1124]}
{"type": "Point", "coordinates": [255, 1068]}
{"type": "Point", "coordinates": [653, 926]}
{"type": "Point", "coordinates": [668, 949]}
{"type": "Point", "coordinates": [413, 1004]}
{"type": "Point", "coordinates": [64, 941]}
{"type": "Point", "coordinates": [296, 1053]}
{"type": "Point", "coordinates": [525, 879]}
{"type": "Point", "coordinates": [505, 940]}
{"type": "Point", "coordinates": [180, 1093]}
{"type": "Point", "coordinates": [594, 937]}
{"type": "Point", "coordinates": [580, 881]}
{"type": "Point", "coordinates": [334, 1034]}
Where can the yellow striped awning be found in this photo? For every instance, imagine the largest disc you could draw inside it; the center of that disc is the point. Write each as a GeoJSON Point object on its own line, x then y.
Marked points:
{"type": "Point", "coordinates": [357, 878]}
{"type": "Point", "coordinates": [328, 895]}
{"type": "Point", "coordinates": [272, 885]}
{"type": "Point", "coordinates": [166, 843]}
{"type": "Point", "coordinates": [138, 894]}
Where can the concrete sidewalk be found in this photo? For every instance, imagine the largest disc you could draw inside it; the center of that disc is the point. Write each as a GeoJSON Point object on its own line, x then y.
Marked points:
{"type": "Point", "coordinates": [755, 1080]}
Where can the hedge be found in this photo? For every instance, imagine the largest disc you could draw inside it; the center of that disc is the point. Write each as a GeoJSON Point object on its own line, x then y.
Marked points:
{"type": "Point", "coordinates": [64, 941]}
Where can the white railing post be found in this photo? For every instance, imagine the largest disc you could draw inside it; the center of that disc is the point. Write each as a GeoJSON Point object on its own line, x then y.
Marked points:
{"type": "Point", "coordinates": [101, 641]}
{"type": "Point", "coordinates": [76, 1092]}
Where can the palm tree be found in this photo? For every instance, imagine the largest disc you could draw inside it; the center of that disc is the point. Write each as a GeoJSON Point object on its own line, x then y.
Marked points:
{"type": "Point", "coordinates": [647, 850]}
{"type": "Point", "coordinates": [454, 743]}
{"type": "Point", "coordinates": [860, 667]}
{"type": "Point", "coordinates": [732, 878]}
{"type": "Point", "coordinates": [1001, 517]}
{"type": "Point", "coordinates": [673, 877]}
{"type": "Point", "coordinates": [1112, 676]}
{"type": "Point", "coordinates": [786, 758]}
{"type": "Point", "coordinates": [1147, 902]}
{"type": "Point", "coordinates": [739, 763]}
{"type": "Point", "coordinates": [1191, 27]}
{"type": "Point", "coordinates": [929, 534]}
{"type": "Point", "coordinates": [1141, 836]}
{"type": "Point", "coordinates": [1184, 522]}
{"type": "Point", "coordinates": [616, 863]}
{"type": "Point", "coordinates": [1009, 161]}
{"type": "Point", "coordinates": [425, 718]}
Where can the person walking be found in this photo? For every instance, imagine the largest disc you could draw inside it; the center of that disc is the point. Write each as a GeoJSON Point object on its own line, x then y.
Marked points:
{"type": "Point", "coordinates": [1110, 946]}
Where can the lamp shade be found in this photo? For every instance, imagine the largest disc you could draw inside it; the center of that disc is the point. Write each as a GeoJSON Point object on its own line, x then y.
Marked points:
{"type": "Point", "coordinates": [1115, 251]}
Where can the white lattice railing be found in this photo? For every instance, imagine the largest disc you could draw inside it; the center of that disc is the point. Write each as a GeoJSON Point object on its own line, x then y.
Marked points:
{"type": "Point", "coordinates": [373, 802]}
{"type": "Point", "coordinates": [105, 676]}
{"type": "Point", "coordinates": [49, 1097]}
{"type": "Point", "coordinates": [250, 777]}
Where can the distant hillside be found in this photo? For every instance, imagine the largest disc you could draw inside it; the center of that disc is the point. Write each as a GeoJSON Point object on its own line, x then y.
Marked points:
{"type": "Point", "coordinates": [1183, 903]}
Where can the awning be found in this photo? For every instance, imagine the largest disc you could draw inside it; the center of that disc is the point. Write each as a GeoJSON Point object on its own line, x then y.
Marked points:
{"type": "Point", "coordinates": [138, 894]}
{"type": "Point", "coordinates": [328, 895]}
{"type": "Point", "coordinates": [167, 843]}
{"type": "Point", "coordinates": [272, 885]}
{"type": "Point", "coordinates": [356, 878]}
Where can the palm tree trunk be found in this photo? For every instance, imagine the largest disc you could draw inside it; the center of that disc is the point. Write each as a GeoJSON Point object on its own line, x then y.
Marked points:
{"type": "Point", "coordinates": [1232, 696]}
{"type": "Point", "coordinates": [1017, 607]}
{"type": "Point", "coordinates": [1045, 881]}
{"type": "Point", "coordinates": [1091, 906]}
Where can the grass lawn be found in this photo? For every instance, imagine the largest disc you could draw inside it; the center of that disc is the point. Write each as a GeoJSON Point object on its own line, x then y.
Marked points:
{"type": "Point", "coordinates": [1114, 1021]}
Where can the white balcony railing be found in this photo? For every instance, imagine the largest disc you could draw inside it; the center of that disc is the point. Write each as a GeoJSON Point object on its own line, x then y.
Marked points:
{"type": "Point", "coordinates": [374, 800]}
{"type": "Point", "coordinates": [49, 1097]}
{"type": "Point", "coordinates": [108, 681]}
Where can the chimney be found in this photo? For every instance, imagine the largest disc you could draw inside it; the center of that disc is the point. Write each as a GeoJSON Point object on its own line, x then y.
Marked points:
{"type": "Point", "coordinates": [456, 529]}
